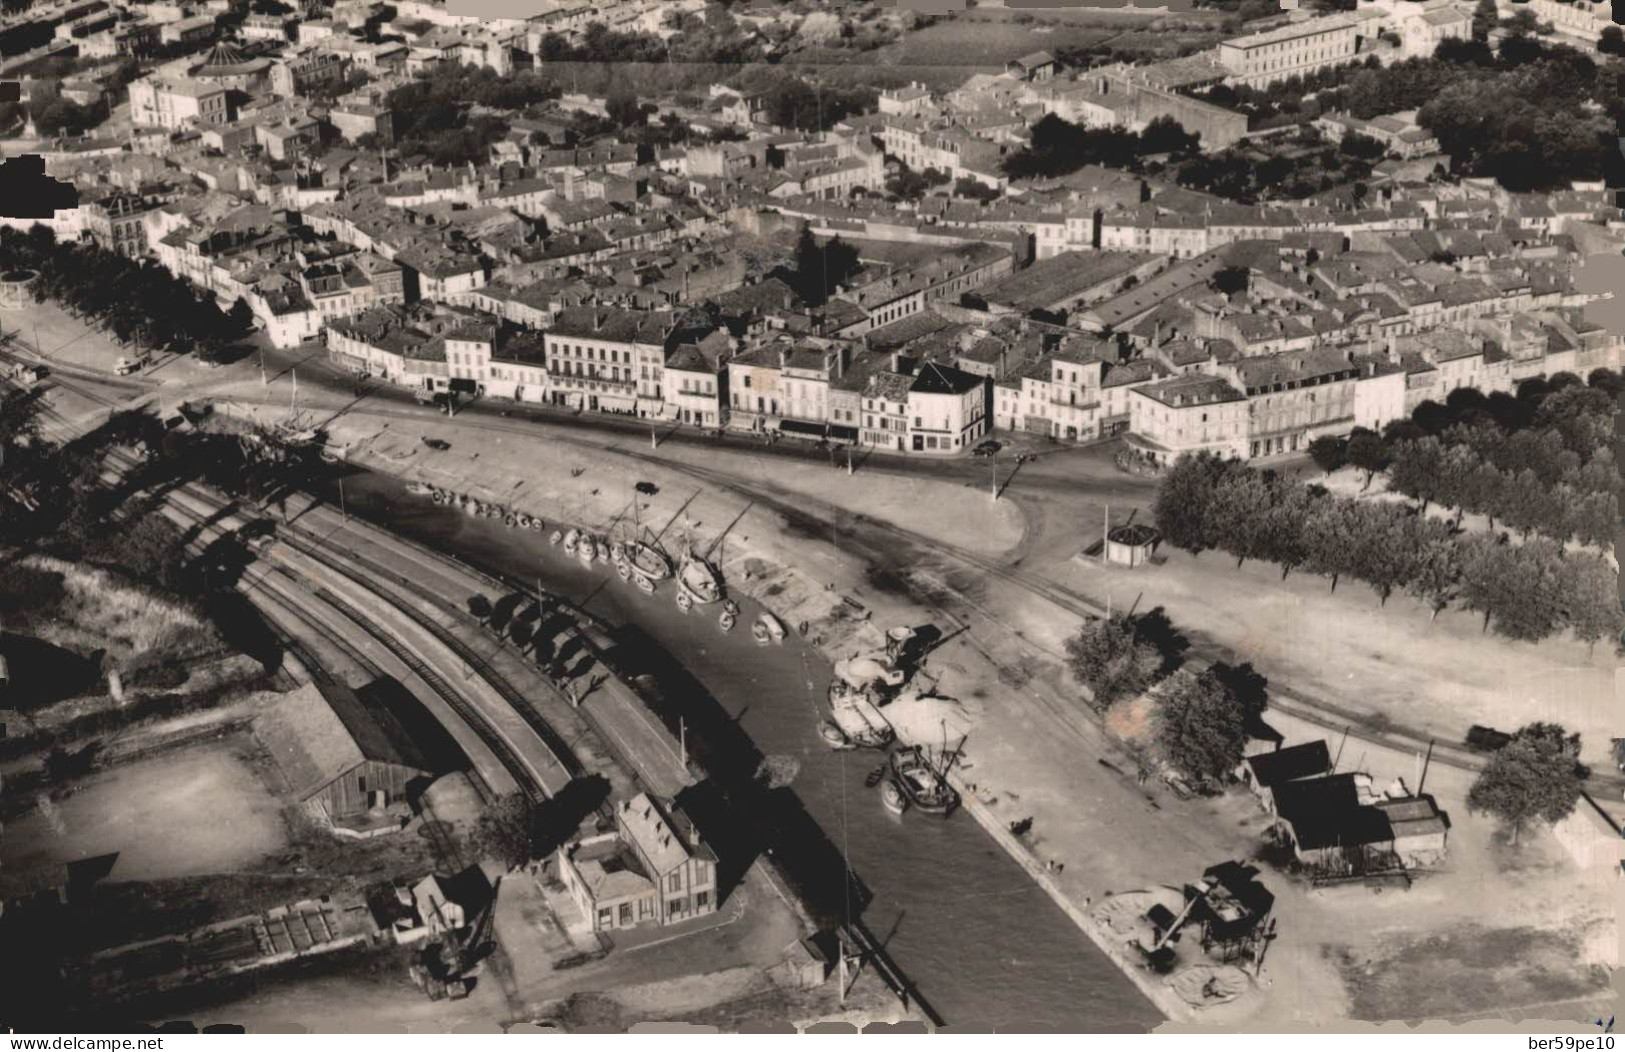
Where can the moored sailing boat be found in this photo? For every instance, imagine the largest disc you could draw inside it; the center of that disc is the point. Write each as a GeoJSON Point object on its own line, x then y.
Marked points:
{"type": "Point", "coordinates": [925, 787]}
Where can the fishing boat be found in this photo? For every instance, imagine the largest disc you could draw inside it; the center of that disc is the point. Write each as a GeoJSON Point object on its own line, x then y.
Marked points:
{"type": "Point", "coordinates": [925, 786]}
{"type": "Point", "coordinates": [874, 777]}
{"type": "Point", "coordinates": [699, 581]}
{"type": "Point", "coordinates": [536, 525]}
{"type": "Point", "coordinates": [647, 561]}
{"type": "Point", "coordinates": [832, 736]}
{"type": "Point", "coordinates": [586, 551]}
{"type": "Point", "coordinates": [474, 508]}
{"type": "Point", "coordinates": [894, 798]}
{"type": "Point", "coordinates": [685, 602]}
{"type": "Point", "coordinates": [522, 521]}
{"type": "Point", "coordinates": [420, 489]}
{"type": "Point", "coordinates": [603, 550]}
{"type": "Point", "coordinates": [623, 570]}
{"type": "Point", "coordinates": [646, 586]}
{"type": "Point", "coordinates": [727, 621]}
{"type": "Point", "coordinates": [556, 537]}
{"type": "Point", "coordinates": [439, 496]}
{"type": "Point", "coordinates": [759, 632]}
{"type": "Point", "coordinates": [861, 721]}
{"type": "Point", "coordinates": [730, 608]}
{"type": "Point", "coordinates": [617, 552]}
{"type": "Point", "coordinates": [572, 540]}
{"type": "Point", "coordinates": [775, 628]}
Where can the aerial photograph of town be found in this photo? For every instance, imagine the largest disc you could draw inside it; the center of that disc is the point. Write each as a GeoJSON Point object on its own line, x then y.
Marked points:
{"type": "Point", "coordinates": [787, 514]}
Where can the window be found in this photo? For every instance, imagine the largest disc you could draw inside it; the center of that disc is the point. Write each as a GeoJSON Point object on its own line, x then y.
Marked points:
{"type": "Point", "coordinates": [605, 917]}
{"type": "Point", "coordinates": [626, 913]}
{"type": "Point", "coordinates": [676, 906]}
{"type": "Point", "coordinates": [702, 899]}
{"type": "Point", "coordinates": [675, 882]}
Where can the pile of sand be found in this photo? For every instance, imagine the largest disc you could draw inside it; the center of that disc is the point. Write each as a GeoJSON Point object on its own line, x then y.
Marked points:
{"type": "Point", "coordinates": [1203, 985]}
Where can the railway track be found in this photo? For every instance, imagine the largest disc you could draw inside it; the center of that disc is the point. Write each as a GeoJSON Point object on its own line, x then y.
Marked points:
{"type": "Point", "coordinates": [475, 721]}
{"type": "Point", "coordinates": [1317, 711]}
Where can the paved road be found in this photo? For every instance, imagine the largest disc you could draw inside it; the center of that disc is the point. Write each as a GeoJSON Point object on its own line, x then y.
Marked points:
{"type": "Point", "coordinates": [1065, 486]}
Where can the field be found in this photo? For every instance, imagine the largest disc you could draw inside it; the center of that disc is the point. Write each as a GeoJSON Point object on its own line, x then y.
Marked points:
{"type": "Point", "coordinates": [943, 55]}
{"type": "Point", "coordinates": [86, 610]}
{"type": "Point", "coordinates": [197, 811]}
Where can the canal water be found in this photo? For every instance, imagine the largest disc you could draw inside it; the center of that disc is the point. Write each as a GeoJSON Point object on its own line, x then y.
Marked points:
{"type": "Point", "coordinates": [984, 945]}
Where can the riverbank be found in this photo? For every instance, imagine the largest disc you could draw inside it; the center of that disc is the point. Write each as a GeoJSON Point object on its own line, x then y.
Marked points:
{"type": "Point", "coordinates": [1032, 749]}
{"type": "Point", "coordinates": [776, 556]}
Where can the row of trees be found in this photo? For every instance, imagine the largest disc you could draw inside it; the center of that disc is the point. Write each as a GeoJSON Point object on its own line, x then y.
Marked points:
{"type": "Point", "coordinates": [1059, 147]}
{"type": "Point", "coordinates": [133, 299]}
{"type": "Point", "coordinates": [1583, 505]}
{"type": "Point", "coordinates": [1525, 591]}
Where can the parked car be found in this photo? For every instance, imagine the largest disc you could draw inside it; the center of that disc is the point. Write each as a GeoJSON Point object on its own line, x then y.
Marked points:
{"type": "Point", "coordinates": [1486, 739]}
{"type": "Point", "coordinates": [126, 366]}
{"type": "Point", "coordinates": [436, 443]}
{"type": "Point", "coordinates": [986, 449]}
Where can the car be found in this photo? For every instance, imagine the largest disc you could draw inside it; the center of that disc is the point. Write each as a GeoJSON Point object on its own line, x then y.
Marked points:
{"type": "Point", "coordinates": [1487, 739]}
{"type": "Point", "coordinates": [126, 366]}
{"type": "Point", "coordinates": [986, 449]}
{"type": "Point", "coordinates": [436, 443]}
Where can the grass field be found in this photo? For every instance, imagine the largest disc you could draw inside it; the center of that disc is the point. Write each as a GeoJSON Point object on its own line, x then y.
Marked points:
{"type": "Point", "coordinates": [943, 55]}
{"type": "Point", "coordinates": [86, 610]}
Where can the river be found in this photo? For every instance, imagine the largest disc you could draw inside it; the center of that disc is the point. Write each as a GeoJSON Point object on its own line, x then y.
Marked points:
{"type": "Point", "coordinates": [984, 945]}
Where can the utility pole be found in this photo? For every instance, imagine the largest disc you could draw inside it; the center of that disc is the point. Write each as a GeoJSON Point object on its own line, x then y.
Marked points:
{"type": "Point", "coordinates": [993, 481]}
{"type": "Point", "coordinates": [1105, 534]}
{"type": "Point", "coordinates": [654, 439]}
{"type": "Point", "coordinates": [342, 510]}
{"type": "Point", "coordinates": [682, 734]}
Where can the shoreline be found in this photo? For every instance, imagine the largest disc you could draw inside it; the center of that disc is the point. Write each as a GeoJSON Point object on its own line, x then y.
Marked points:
{"type": "Point", "coordinates": [766, 584]}
{"type": "Point", "coordinates": [1165, 1000]}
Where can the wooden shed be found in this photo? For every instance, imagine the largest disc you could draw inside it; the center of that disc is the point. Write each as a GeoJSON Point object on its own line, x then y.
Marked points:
{"type": "Point", "coordinates": [347, 753]}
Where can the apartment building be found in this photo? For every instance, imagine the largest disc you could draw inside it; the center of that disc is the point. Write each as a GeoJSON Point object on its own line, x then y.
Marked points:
{"type": "Point", "coordinates": [296, 74]}
{"type": "Point", "coordinates": [403, 345]}
{"type": "Point", "coordinates": [652, 870]}
{"type": "Point", "coordinates": [175, 103]}
{"type": "Point", "coordinates": [947, 409]}
{"type": "Point", "coordinates": [117, 223]}
{"type": "Point", "coordinates": [1188, 414]}
{"type": "Point", "coordinates": [608, 359]}
{"type": "Point", "coordinates": [1294, 50]}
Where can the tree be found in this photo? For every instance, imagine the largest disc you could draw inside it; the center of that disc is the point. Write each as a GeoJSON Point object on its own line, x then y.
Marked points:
{"type": "Point", "coordinates": [1417, 469]}
{"type": "Point", "coordinates": [625, 110]}
{"type": "Point", "coordinates": [818, 269]}
{"type": "Point", "coordinates": [1485, 18]}
{"type": "Point", "coordinates": [1201, 728]}
{"type": "Point", "coordinates": [1167, 135]}
{"type": "Point", "coordinates": [1110, 657]}
{"type": "Point", "coordinates": [479, 608]}
{"type": "Point", "coordinates": [1535, 776]}
{"type": "Point", "coordinates": [506, 831]}
{"type": "Point", "coordinates": [1367, 452]}
{"type": "Point", "coordinates": [1611, 42]}
{"type": "Point", "coordinates": [1436, 572]}
{"type": "Point", "coordinates": [1237, 516]}
{"type": "Point", "coordinates": [1229, 281]}
{"type": "Point", "coordinates": [1590, 598]}
{"type": "Point", "coordinates": [1329, 538]}
{"type": "Point", "coordinates": [1329, 452]}
{"type": "Point", "coordinates": [1183, 496]}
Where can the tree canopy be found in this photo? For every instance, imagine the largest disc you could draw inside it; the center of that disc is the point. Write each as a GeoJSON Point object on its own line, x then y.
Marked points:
{"type": "Point", "coordinates": [1534, 777]}
{"type": "Point", "coordinates": [1201, 725]}
{"type": "Point", "coordinates": [1113, 659]}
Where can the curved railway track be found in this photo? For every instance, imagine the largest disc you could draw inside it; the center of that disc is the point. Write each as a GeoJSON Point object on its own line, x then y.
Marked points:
{"type": "Point", "coordinates": [1317, 711]}
{"type": "Point", "coordinates": [473, 719]}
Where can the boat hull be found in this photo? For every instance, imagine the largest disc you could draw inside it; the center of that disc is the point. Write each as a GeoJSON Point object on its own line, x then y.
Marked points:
{"type": "Point", "coordinates": [909, 770]}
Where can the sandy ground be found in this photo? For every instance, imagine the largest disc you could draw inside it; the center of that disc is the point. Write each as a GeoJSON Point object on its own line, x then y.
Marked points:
{"type": "Point", "coordinates": [1391, 661]}
{"type": "Point", "coordinates": [1032, 753]}
{"type": "Point", "coordinates": [197, 811]}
